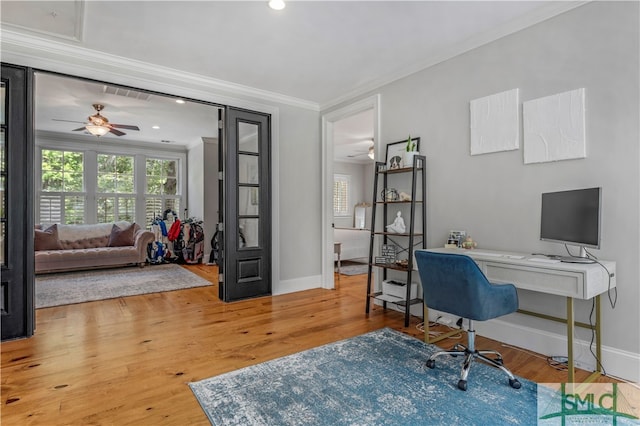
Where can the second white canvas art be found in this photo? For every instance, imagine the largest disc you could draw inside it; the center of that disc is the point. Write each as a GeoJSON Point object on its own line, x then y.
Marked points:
{"type": "Point", "coordinates": [554, 127]}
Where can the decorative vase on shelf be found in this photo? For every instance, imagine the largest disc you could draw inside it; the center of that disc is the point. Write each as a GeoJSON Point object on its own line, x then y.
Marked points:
{"type": "Point", "coordinates": [410, 152]}
{"type": "Point", "coordinates": [408, 158]}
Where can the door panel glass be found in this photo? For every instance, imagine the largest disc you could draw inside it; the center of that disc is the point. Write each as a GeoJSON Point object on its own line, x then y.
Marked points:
{"type": "Point", "coordinates": [3, 161]}
{"type": "Point", "coordinates": [247, 168]}
{"type": "Point", "coordinates": [3, 230]}
{"type": "Point", "coordinates": [3, 177]}
{"type": "Point", "coordinates": [247, 137]}
{"type": "Point", "coordinates": [248, 201]}
{"type": "Point", "coordinates": [3, 97]}
{"type": "Point", "coordinates": [248, 233]}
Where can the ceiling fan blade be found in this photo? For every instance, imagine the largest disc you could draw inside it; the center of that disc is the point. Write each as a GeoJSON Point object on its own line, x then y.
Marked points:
{"type": "Point", "coordinates": [78, 129]}
{"type": "Point", "coordinates": [125, 126]}
{"type": "Point", "coordinates": [116, 132]}
{"type": "Point", "coordinates": [69, 121]}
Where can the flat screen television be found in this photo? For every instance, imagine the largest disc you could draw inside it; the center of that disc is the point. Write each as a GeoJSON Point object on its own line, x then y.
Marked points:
{"type": "Point", "coordinates": [572, 217]}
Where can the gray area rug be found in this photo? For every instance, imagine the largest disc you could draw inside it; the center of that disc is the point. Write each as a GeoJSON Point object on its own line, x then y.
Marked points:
{"type": "Point", "coordinates": [378, 378]}
{"type": "Point", "coordinates": [85, 286]}
{"type": "Point", "coordinates": [353, 269]}
{"type": "Point", "coordinates": [350, 267]}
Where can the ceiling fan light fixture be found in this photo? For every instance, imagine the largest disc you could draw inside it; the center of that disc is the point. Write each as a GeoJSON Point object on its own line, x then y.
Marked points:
{"type": "Point", "coordinates": [97, 130]}
{"type": "Point", "coordinates": [277, 4]}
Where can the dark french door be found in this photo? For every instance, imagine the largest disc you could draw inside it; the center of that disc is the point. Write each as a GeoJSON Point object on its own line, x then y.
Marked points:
{"type": "Point", "coordinates": [16, 209]}
{"type": "Point", "coordinates": [245, 203]}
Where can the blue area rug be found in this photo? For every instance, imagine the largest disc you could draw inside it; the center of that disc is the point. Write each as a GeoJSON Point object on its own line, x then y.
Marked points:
{"type": "Point", "coordinates": [378, 378]}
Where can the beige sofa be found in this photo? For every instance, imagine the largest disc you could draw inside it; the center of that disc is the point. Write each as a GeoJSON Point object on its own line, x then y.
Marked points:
{"type": "Point", "coordinates": [73, 247]}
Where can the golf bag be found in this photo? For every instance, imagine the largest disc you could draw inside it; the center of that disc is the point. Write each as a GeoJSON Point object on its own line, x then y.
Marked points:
{"type": "Point", "coordinates": [192, 242]}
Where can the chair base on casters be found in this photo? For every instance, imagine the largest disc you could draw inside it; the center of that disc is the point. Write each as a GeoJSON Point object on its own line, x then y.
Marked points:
{"type": "Point", "coordinates": [470, 354]}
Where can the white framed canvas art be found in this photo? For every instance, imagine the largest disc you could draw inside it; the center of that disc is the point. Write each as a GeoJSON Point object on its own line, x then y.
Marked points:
{"type": "Point", "coordinates": [554, 127]}
{"type": "Point", "coordinates": [495, 124]}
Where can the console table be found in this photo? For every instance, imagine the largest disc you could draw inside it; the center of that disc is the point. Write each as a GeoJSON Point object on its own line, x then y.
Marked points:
{"type": "Point", "coordinates": [570, 280]}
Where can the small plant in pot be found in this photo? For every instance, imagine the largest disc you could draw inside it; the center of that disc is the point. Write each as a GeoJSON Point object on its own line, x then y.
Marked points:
{"type": "Point", "coordinates": [410, 152]}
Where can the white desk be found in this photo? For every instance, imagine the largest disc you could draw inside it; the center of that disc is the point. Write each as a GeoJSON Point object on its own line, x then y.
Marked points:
{"type": "Point", "coordinates": [571, 280]}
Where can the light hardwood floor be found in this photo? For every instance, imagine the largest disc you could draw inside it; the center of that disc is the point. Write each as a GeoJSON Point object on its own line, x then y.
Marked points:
{"type": "Point", "coordinates": [129, 360]}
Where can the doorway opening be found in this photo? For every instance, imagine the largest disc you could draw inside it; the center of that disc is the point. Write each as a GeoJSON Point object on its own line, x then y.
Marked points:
{"type": "Point", "coordinates": [350, 137]}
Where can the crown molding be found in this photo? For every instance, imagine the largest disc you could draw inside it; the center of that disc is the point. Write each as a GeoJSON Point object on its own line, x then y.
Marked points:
{"type": "Point", "coordinates": [534, 17]}
{"type": "Point", "coordinates": [77, 27]}
{"type": "Point", "coordinates": [45, 137]}
{"type": "Point", "coordinates": [53, 55]}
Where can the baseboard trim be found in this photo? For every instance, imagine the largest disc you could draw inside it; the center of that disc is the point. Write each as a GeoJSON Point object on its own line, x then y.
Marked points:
{"type": "Point", "coordinates": [297, 284]}
{"type": "Point", "coordinates": [616, 362]}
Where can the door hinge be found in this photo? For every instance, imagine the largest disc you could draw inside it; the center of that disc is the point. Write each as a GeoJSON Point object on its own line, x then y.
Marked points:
{"type": "Point", "coordinates": [221, 226]}
{"type": "Point", "coordinates": [220, 124]}
{"type": "Point", "coordinates": [220, 278]}
{"type": "Point", "coordinates": [220, 175]}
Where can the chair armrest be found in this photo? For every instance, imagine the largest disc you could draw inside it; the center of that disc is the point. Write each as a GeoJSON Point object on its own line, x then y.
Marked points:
{"type": "Point", "coordinates": [141, 240]}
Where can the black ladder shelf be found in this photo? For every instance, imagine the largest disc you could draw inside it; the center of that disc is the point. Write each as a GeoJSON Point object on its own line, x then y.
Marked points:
{"type": "Point", "coordinates": [418, 200]}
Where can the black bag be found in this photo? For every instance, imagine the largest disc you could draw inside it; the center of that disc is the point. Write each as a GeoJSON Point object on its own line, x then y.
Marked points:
{"type": "Point", "coordinates": [215, 248]}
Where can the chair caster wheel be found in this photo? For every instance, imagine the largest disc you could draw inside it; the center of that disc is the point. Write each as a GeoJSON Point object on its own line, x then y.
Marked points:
{"type": "Point", "coordinates": [514, 383]}
{"type": "Point", "coordinates": [462, 385]}
{"type": "Point", "coordinates": [431, 363]}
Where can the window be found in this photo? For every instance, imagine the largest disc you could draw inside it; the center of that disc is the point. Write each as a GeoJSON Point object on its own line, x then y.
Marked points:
{"type": "Point", "coordinates": [115, 198]}
{"type": "Point", "coordinates": [341, 184]}
{"type": "Point", "coordinates": [161, 188]}
{"type": "Point", "coordinates": [62, 196]}
{"type": "Point", "coordinates": [90, 187]}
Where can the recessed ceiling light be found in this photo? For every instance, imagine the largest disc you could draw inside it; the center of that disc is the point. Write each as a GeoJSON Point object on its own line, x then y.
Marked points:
{"type": "Point", "coordinates": [179, 101]}
{"type": "Point", "coordinates": [276, 4]}
{"type": "Point", "coordinates": [155, 127]}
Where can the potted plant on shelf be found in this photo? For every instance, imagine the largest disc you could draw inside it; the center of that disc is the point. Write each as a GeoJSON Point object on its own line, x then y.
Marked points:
{"type": "Point", "coordinates": [410, 152]}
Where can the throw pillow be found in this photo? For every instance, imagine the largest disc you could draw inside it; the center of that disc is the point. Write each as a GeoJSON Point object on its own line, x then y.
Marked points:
{"type": "Point", "coordinates": [121, 237]}
{"type": "Point", "coordinates": [47, 239]}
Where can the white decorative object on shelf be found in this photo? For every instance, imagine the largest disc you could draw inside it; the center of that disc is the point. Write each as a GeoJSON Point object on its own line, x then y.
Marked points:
{"type": "Point", "coordinates": [554, 127]}
{"type": "Point", "coordinates": [494, 123]}
{"type": "Point", "coordinates": [398, 225]}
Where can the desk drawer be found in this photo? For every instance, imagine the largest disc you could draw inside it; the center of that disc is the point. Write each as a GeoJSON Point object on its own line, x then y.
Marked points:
{"type": "Point", "coordinates": [562, 283]}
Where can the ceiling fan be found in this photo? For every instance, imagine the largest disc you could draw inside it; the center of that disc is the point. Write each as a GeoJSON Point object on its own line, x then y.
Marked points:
{"type": "Point", "coordinates": [98, 124]}
{"type": "Point", "coordinates": [370, 153]}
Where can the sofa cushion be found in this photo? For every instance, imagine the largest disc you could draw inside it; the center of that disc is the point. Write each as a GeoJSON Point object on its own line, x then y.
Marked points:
{"type": "Point", "coordinates": [85, 243]}
{"type": "Point", "coordinates": [47, 239]}
{"type": "Point", "coordinates": [121, 237]}
{"type": "Point", "coordinates": [84, 231]}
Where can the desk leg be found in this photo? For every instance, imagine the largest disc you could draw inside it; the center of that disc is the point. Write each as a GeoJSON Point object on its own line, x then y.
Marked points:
{"type": "Point", "coordinates": [425, 315]}
{"type": "Point", "coordinates": [570, 332]}
{"type": "Point", "coordinates": [598, 336]}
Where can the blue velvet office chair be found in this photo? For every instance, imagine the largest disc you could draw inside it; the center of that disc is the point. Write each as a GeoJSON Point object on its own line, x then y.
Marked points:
{"type": "Point", "coordinates": [453, 283]}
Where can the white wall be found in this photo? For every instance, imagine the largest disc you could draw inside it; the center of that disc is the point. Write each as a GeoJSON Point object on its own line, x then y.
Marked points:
{"type": "Point", "coordinates": [496, 197]}
{"type": "Point", "coordinates": [211, 202]}
{"type": "Point", "coordinates": [195, 181]}
{"type": "Point", "coordinates": [203, 187]}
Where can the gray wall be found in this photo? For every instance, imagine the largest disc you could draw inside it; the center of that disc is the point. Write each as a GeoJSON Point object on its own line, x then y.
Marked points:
{"type": "Point", "coordinates": [496, 197]}
{"type": "Point", "coordinates": [300, 195]}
